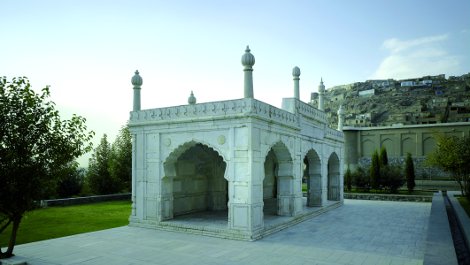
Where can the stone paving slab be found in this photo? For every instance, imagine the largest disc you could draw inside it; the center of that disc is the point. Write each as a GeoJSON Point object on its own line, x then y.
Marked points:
{"type": "Point", "coordinates": [359, 232]}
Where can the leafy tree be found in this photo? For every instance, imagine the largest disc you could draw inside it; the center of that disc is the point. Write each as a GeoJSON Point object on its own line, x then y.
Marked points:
{"type": "Point", "coordinates": [383, 158]}
{"type": "Point", "coordinates": [99, 179]}
{"type": "Point", "coordinates": [375, 171]}
{"type": "Point", "coordinates": [120, 162]}
{"type": "Point", "coordinates": [361, 179]}
{"type": "Point", "coordinates": [410, 173]}
{"type": "Point", "coordinates": [453, 155]}
{"type": "Point", "coordinates": [70, 181]}
{"type": "Point", "coordinates": [348, 179]}
{"type": "Point", "coordinates": [35, 145]}
{"type": "Point", "coordinates": [392, 178]}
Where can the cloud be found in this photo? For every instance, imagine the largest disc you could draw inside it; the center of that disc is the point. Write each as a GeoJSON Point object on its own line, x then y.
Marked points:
{"type": "Point", "coordinates": [416, 57]}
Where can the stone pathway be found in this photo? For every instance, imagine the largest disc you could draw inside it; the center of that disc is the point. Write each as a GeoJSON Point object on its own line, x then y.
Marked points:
{"type": "Point", "coordinates": [360, 232]}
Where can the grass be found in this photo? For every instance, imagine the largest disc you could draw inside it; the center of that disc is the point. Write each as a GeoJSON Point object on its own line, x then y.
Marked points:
{"type": "Point", "coordinates": [465, 204]}
{"type": "Point", "coordinates": [56, 222]}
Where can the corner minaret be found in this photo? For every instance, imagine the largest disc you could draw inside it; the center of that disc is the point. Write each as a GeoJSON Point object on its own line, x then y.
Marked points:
{"type": "Point", "coordinates": [136, 82]}
{"type": "Point", "coordinates": [248, 60]}
{"type": "Point", "coordinates": [341, 113]}
{"type": "Point", "coordinates": [296, 75]}
{"type": "Point", "coordinates": [321, 95]}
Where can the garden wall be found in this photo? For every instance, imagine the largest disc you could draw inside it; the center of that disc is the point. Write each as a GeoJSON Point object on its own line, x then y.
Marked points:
{"type": "Point", "coordinates": [84, 200]}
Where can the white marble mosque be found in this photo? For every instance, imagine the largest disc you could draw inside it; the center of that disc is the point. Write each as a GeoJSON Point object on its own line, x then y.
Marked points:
{"type": "Point", "coordinates": [233, 169]}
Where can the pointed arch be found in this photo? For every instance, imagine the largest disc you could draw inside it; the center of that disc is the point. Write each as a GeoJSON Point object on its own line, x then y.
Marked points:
{"type": "Point", "coordinates": [333, 177]}
{"type": "Point", "coordinates": [312, 176]}
{"type": "Point", "coordinates": [429, 144]}
{"type": "Point", "coordinates": [278, 180]}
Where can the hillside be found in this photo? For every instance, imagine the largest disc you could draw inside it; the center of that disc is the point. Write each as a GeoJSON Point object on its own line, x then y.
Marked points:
{"type": "Point", "coordinates": [424, 100]}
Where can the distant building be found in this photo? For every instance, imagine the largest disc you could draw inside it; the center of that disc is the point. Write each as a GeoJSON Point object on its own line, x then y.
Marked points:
{"type": "Point", "coordinates": [367, 93]}
{"type": "Point", "coordinates": [407, 83]}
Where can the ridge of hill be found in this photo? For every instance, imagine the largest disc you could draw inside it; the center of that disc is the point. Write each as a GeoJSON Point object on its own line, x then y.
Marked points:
{"type": "Point", "coordinates": [423, 100]}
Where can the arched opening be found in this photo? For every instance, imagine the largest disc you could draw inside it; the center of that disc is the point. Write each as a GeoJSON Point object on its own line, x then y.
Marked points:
{"type": "Point", "coordinates": [278, 182]}
{"type": "Point", "coordinates": [312, 178]}
{"type": "Point", "coordinates": [333, 178]}
{"type": "Point", "coordinates": [271, 167]}
{"type": "Point", "coordinates": [194, 176]}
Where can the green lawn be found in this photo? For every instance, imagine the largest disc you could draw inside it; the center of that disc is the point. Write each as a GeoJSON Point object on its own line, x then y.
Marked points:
{"type": "Point", "coordinates": [56, 222]}
{"type": "Point", "coordinates": [465, 204]}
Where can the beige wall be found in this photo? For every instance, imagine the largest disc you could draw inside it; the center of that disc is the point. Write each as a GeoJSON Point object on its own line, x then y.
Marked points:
{"type": "Point", "coordinates": [415, 139]}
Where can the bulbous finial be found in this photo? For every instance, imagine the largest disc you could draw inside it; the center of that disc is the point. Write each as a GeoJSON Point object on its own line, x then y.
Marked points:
{"type": "Point", "coordinates": [296, 71]}
{"type": "Point", "coordinates": [248, 60]}
{"type": "Point", "coordinates": [192, 99]}
{"type": "Point", "coordinates": [136, 79]}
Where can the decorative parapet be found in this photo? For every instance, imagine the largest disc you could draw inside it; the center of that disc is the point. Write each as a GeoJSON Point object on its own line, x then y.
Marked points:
{"type": "Point", "coordinates": [246, 107]}
{"type": "Point", "coordinates": [311, 112]}
{"type": "Point", "coordinates": [306, 110]}
{"type": "Point", "coordinates": [334, 134]}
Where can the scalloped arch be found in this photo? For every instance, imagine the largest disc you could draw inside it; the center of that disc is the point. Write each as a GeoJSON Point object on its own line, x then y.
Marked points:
{"type": "Point", "coordinates": [279, 148]}
{"type": "Point", "coordinates": [170, 160]}
{"type": "Point", "coordinates": [181, 148]}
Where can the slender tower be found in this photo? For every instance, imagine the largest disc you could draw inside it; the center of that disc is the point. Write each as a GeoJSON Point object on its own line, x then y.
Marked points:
{"type": "Point", "coordinates": [248, 60]}
{"type": "Point", "coordinates": [296, 74]}
{"type": "Point", "coordinates": [136, 82]}
{"type": "Point", "coordinates": [321, 95]}
{"type": "Point", "coordinates": [340, 118]}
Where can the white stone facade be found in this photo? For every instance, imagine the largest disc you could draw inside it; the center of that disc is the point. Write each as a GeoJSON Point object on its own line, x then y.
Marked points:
{"type": "Point", "coordinates": [239, 156]}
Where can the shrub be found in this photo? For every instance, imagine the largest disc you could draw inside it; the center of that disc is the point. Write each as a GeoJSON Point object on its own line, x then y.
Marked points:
{"type": "Point", "coordinates": [375, 171]}
{"type": "Point", "coordinates": [392, 178]}
{"type": "Point", "coordinates": [410, 173]}
{"type": "Point", "coordinates": [360, 179]}
{"type": "Point", "coordinates": [383, 158]}
{"type": "Point", "coordinates": [348, 179]}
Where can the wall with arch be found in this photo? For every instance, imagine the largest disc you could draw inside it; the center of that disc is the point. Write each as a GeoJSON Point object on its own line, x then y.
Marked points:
{"type": "Point", "coordinates": [418, 140]}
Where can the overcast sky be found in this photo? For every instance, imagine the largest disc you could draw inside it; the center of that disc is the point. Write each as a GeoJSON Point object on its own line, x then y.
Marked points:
{"type": "Point", "coordinates": [87, 51]}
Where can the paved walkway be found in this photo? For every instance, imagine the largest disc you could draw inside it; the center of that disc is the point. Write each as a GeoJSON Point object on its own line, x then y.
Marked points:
{"type": "Point", "coordinates": [360, 232]}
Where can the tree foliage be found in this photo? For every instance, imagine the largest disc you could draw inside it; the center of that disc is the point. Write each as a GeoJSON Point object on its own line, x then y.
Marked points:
{"type": "Point", "coordinates": [348, 179]}
{"type": "Point", "coordinates": [361, 179]}
{"type": "Point", "coordinates": [453, 155]}
{"type": "Point", "coordinates": [110, 167]}
{"type": "Point", "coordinates": [99, 179]}
{"type": "Point", "coordinates": [410, 173]}
{"type": "Point", "coordinates": [383, 158]}
{"type": "Point", "coordinates": [120, 162]}
{"type": "Point", "coordinates": [71, 181]}
{"type": "Point", "coordinates": [35, 145]}
{"type": "Point", "coordinates": [391, 178]}
{"type": "Point", "coordinates": [375, 171]}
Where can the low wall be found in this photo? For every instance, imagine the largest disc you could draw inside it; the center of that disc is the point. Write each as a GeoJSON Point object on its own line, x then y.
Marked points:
{"type": "Point", "coordinates": [439, 244]}
{"type": "Point", "coordinates": [84, 200]}
{"type": "Point", "coordinates": [388, 197]}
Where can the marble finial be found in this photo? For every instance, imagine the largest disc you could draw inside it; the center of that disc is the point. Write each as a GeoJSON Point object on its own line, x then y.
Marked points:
{"type": "Point", "coordinates": [136, 79]}
{"type": "Point", "coordinates": [248, 60]}
{"type": "Point", "coordinates": [192, 99]}
{"type": "Point", "coordinates": [296, 71]}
